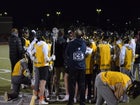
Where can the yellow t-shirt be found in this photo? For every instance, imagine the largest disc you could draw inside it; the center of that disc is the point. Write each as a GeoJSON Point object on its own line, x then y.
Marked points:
{"type": "Point", "coordinates": [111, 78]}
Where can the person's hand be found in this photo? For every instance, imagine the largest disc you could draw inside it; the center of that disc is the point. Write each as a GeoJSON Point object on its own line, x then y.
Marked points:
{"type": "Point", "coordinates": [50, 67]}
{"type": "Point", "coordinates": [53, 57]}
{"type": "Point", "coordinates": [28, 74]}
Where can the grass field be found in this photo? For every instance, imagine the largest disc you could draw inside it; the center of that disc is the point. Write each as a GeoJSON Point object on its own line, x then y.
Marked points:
{"type": "Point", "coordinates": [5, 75]}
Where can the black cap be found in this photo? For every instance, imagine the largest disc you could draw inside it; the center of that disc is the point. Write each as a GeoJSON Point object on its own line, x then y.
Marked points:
{"type": "Point", "coordinates": [133, 90]}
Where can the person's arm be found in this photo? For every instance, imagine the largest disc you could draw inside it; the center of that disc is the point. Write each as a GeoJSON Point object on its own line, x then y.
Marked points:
{"type": "Point", "coordinates": [46, 57]}
{"type": "Point", "coordinates": [122, 56]}
{"type": "Point", "coordinates": [118, 90]}
{"type": "Point", "coordinates": [26, 71]}
{"type": "Point", "coordinates": [19, 47]}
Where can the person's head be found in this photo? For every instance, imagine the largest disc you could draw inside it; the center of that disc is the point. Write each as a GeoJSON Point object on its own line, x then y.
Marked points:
{"type": "Point", "coordinates": [25, 32]}
{"type": "Point", "coordinates": [133, 90]}
{"type": "Point", "coordinates": [126, 40]}
{"type": "Point", "coordinates": [78, 33]}
{"type": "Point", "coordinates": [39, 35]}
{"type": "Point", "coordinates": [14, 31]}
{"type": "Point", "coordinates": [70, 34]}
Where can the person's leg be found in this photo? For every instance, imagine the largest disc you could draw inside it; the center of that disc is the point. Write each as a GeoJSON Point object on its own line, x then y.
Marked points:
{"type": "Point", "coordinates": [43, 72]}
{"type": "Point", "coordinates": [16, 88]}
{"type": "Point", "coordinates": [89, 87]}
{"type": "Point", "coordinates": [108, 95]}
{"type": "Point", "coordinates": [15, 92]}
{"type": "Point", "coordinates": [133, 72]}
{"type": "Point", "coordinates": [139, 71]}
{"type": "Point", "coordinates": [48, 84]}
{"type": "Point", "coordinates": [71, 86]}
{"type": "Point", "coordinates": [37, 76]}
{"type": "Point", "coordinates": [76, 92]}
{"type": "Point", "coordinates": [42, 88]}
{"type": "Point", "coordinates": [57, 81]}
{"type": "Point", "coordinates": [81, 86]}
{"type": "Point", "coordinates": [100, 99]}
{"type": "Point", "coordinates": [86, 86]}
{"type": "Point", "coordinates": [66, 87]}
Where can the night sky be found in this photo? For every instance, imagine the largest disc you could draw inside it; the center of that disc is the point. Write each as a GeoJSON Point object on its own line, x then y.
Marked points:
{"type": "Point", "coordinates": [25, 12]}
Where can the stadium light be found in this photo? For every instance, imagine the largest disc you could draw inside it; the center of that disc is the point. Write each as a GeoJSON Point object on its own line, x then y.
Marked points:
{"type": "Point", "coordinates": [98, 10]}
{"type": "Point", "coordinates": [47, 14]}
{"type": "Point", "coordinates": [58, 13]}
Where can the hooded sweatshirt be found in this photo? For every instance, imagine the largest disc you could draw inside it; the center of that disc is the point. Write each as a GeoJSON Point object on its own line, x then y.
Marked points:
{"type": "Point", "coordinates": [75, 54]}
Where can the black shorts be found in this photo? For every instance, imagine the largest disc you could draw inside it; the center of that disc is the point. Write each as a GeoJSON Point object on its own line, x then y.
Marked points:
{"type": "Point", "coordinates": [43, 73]}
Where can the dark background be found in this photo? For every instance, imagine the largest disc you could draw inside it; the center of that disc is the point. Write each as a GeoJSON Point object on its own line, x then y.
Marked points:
{"type": "Point", "coordinates": [115, 13]}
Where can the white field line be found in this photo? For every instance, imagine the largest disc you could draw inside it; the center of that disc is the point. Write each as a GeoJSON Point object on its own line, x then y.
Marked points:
{"type": "Point", "coordinates": [5, 79]}
{"type": "Point", "coordinates": [4, 58]}
{"type": "Point", "coordinates": [5, 71]}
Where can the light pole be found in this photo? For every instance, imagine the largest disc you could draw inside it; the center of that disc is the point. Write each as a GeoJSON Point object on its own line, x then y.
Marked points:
{"type": "Point", "coordinates": [98, 10]}
{"type": "Point", "coordinates": [47, 19]}
{"type": "Point", "coordinates": [58, 13]}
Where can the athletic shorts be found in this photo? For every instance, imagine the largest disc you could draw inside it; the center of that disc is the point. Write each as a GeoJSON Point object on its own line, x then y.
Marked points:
{"type": "Point", "coordinates": [43, 73]}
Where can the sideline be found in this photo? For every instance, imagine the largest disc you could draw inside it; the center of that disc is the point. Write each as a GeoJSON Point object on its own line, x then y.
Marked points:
{"type": "Point", "coordinates": [5, 71]}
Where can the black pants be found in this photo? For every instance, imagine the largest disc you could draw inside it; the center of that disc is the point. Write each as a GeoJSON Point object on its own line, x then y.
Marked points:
{"type": "Point", "coordinates": [17, 81]}
{"type": "Point", "coordinates": [79, 77]}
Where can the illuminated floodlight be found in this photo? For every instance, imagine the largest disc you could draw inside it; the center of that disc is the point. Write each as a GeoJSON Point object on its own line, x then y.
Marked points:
{"type": "Point", "coordinates": [98, 10]}
{"type": "Point", "coordinates": [47, 14]}
{"type": "Point", "coordinates": [58, 13]}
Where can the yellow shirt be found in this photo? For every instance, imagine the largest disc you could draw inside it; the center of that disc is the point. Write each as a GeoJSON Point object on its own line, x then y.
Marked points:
{"type": "Point", "coordinates": [111, 78]}
{"type": "Point", "coordinates": [93, 46]}
{"type": "Point", "coordinates": [20, 68]}
{"type": "Point", "coordinates": [128, 59]}
{"type": "Point", "coordinates": [27, 43]}
{"type": "Point", "coordinates": [89, 64]}
{"type": "Point", "coordinates": [39, 55]}
{"type": "Point", "coordinates": [104, 57]}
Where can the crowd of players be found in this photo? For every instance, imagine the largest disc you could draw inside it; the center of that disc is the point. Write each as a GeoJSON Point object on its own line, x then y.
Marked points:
{"type": "Point", "coordinates": [39, 57]}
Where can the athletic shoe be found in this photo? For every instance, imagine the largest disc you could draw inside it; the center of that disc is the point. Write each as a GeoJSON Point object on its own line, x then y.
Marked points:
{"type": "Point", "coordinates": [75, 100]}
{"type": "Point", "coordinates": [43, 102]}
{"type": "Point", "coordinates": [89, 101]}
{"type": "Point", "coordinates": [57, 98]}
{"type": "Point", "coordinates": [6, 98]}
{"type": "Point", "coordinates": [66, 98]}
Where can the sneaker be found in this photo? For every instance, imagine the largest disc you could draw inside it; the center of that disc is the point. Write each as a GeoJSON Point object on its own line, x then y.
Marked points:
{"type": "Point", "coordinates": [89, 101]}
{"type": "Point", "coordinates": [43, 102]}
{"type": "Point", "coordinates": [75, 100]}
{"type": "Point", "coordinates": [23, 86]}
{"type": "Point", "coordinates": [11, 86]}
{"type": "Point", "coordinates": [6, 98]}
{"type": "Point", "coordinates": [66, 98]}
